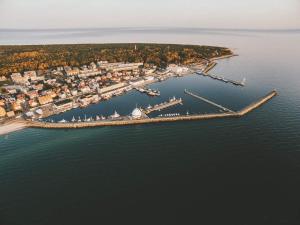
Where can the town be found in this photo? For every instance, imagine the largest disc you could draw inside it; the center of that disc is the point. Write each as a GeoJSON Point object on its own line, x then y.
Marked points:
{"type": "Point", "coordinates": [35, 94]}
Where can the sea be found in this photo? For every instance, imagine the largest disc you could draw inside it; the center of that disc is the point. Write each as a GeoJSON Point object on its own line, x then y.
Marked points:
{"type": "Point", "coordinates": [239, 171]}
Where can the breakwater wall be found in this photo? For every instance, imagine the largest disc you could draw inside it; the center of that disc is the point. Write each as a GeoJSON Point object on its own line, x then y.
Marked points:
{"type": "Point", "coordinates": [251, 107]}
{"type": "Point", "coordinates": [209, 67]}
{"type": "Point", "coordinates": [257, 104]}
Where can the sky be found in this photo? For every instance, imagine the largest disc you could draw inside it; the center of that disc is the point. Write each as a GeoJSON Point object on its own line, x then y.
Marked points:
{"type": "Point", "coordinates": [245, 14]}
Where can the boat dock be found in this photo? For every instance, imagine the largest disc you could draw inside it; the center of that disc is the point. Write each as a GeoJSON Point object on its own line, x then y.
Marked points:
{"type": "Point", "coordinates": [209, 67]}
{"type": "Point", "coordinates": [163, 105]}
{"type": "Point", "coordinates": [226, 80]}
{"type": "Point", "coordinates": [148, 91]}
{"type": "Point", "coordinates": [208, 101]}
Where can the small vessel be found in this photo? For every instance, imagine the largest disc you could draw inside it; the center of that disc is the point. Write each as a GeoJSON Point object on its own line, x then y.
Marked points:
{"type": "Point", "coordinates": [115, 115]}
{"type": "Point", "coordinates": [62, 121]}
{"type": "Point", "coordinates": [97, 118]}
{"type": "Point", "coordinates": [149, 107]}
{"type": "Point", "coordinates": [73, 119]}
{"type": "Point", "coordinates": [79, 119]}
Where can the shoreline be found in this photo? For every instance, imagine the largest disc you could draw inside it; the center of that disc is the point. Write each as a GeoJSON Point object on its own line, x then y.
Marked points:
{"type": "Point", "coordinates": [12, 126]}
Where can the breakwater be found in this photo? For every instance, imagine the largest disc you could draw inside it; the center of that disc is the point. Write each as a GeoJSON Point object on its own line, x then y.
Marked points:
{"type": "Point", "coordinates": [248, 109]}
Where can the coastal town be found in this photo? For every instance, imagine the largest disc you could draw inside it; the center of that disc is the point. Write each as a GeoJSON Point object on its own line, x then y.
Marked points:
{"type": "Point", "coordinates": [30, 98]}
{"type": "Point", "coordinates": [40, 94]}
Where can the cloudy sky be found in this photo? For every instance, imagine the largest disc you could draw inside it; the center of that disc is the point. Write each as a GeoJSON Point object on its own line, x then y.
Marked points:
{"type": "Point", "coordinates": [261, 14]}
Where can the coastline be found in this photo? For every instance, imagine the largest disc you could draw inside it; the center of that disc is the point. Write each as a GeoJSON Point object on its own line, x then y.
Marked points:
{"type": "Point", "coordinates": [12, 126]}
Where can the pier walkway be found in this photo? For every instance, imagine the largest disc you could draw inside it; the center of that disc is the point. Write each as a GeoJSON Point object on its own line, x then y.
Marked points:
{"type": "Point", "coordinates": [208, 101]}
{"type": "Point", "coordinates": [223, 79]}
{"type": "Point", "coordinates": [163, 105]}
{"type": "Point", "coordinates": [210, 66]}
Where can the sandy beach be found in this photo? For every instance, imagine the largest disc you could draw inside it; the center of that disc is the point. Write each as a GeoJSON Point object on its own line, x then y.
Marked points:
{"type": "Point", "coordinates": [11, 126]}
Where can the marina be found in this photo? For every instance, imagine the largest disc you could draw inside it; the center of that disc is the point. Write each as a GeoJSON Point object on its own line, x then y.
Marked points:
{"type": "Point", "coordinates": [133, 121]}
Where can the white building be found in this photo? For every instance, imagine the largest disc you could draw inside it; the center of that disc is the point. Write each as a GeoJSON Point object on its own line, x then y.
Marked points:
{"type": "Point", "coordinates": [136, 114]}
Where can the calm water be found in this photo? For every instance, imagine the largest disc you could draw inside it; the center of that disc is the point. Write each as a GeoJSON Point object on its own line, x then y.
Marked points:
{"type": "Point", "coordinates": [227, 171]}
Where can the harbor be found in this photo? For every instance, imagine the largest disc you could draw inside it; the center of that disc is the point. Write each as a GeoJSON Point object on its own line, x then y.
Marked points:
{"type": "Point", "coordinates": [133, 121]}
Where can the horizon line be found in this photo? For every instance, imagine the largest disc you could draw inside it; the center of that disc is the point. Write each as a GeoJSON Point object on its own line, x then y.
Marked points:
{"type": "Point", "coordinates": [155, 28]}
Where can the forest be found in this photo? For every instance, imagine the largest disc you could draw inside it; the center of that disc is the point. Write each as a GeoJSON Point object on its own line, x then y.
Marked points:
{"type": "Point", "coordinates": [22, 58]}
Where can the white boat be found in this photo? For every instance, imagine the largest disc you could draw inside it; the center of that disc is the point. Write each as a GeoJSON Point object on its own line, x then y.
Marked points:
{"type": "Point", "coordinates": [73, 119]}
{"type": "Point", "coordinates": [115, 115]}
{"type": "Point", "coordinates": [62, 121]}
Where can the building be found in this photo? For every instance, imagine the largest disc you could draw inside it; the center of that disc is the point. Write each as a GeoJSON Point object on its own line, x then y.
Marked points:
{"type": "Point", "coordinates": [10, 114]}
{"type": "Point", "coordinates": [64, 105]}
{"type": "Point", "coordinates": [136, 114]}
{"type": "Point", "coordinates": [16, 106]}
{"type": "Point", "coordinates": [17, 78]}
{"type": "Point", "coordinates": [43, 100]}
{"type": "Point", "coordinates": [117, 67]}
{"type": "Point", "coordinates": [137, 82]}
{"type": "Point", "coordinates": [32, 103]}
{"type": "Point", "coordinates": [177, 69]}
{"type": "Point", "coordinates": [32, 94]}
{"type": "Point", "coordinates": [2, 112]}
{"type": "Point", "coordinates": [111, 87]}
{"type": "Point", "coordinates": [72, 72]}
{"type": "Point", "coordinates": [30, 75]}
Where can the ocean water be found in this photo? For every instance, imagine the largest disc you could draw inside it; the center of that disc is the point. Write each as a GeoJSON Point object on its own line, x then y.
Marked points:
{"type": "Point", "coordinates": [223, 171]}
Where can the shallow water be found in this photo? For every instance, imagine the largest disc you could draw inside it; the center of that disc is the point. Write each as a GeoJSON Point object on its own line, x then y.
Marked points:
{"type": "Point", "coordinates": [232, 171]}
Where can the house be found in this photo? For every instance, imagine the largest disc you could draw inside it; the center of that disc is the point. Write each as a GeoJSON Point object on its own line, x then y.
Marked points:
{"type": "Point", "coordinates": [2, 112]}
{"type": "Point", "coordinates": [32, 103]}
{"type": "Point", "coordinates": [43, 100]}
{"type": "Point", "coordinates": [17, 78]}
{"type": "Point", "coordinates": [16, 106]}
{"type": "Point", "coordinates": [10, 114]}
{"type": "Point", "coordinates": [32, 94]}
{"type": "Point", "coordinates": [30, 75]}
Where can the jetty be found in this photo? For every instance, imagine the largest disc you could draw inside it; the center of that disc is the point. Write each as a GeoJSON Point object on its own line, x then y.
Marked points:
{"type": "Point", "coordinates": [172, 102]}
{"type": "Point", "coordinates": [210, 66]}
{"type": "Point", "coordinates": [207, 101]}
{"type": "Point", "coordinates": [223, 79]}
{"type": "Point", "coordinates": [241, 113]}
{"type": "Point", "coordinates": [148, 91]}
